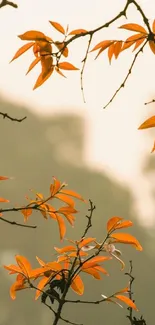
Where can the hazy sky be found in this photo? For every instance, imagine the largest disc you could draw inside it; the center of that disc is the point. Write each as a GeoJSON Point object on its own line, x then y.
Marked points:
{"type": "Point", "coordinates": [112, 139]}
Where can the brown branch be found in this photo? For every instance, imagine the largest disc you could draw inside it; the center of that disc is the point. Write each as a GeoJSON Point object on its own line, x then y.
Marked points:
{"type": "Point", "coordinates": [83, 67]}
{"type": "Point", "coordinates": [152, 101]}
{"type": "Point", "coordinates": [16, 223]}
{"type": "Point", "coordinates": [127, 76]}
{"type": "Point", "coordinates": [145, 19]}
{"type": "Point", "coordinates": [9, 3]}
{"type": "Point", "coordinates": [89, 224]}
{"type": "Point", "coordinates": [5, 115]}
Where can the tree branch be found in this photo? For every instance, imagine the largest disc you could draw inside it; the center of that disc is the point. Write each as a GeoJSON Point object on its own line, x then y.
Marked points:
{"type": "Point", "coordinates": [5, 115]}
{"type": "Point", "coordinates": [9, 3]}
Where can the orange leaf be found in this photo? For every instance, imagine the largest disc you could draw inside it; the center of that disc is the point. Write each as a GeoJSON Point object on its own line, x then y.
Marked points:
{"type": "Point", "coordinates": [32, 65]}
{"type": "Point", "coordinates": [138, 43]}
{"type": "Point", "coordinates": [41, 286]}
{"type": "Point", "coordinates": [135, 28]}
{"type": "Point", "coordinates": [153, 26]}
{"type": "Point", "coordinates": [117, 48]}
{"type": "Point", "coordinates": [103, 45]}
{"type": "Point", "coordinates": [70, 219]}
{"type": "Point", "coordinates": [42, 78]}
{"type": "Point", "coordinates": [59, 72]}
{"type": "Point", "coordinates": [93, 272]}
{"type": "Point", "coordinates": [66, 66]}
{"type": "Point", "coordinates": [72, 193]}
{"type": "Point", "coordinates": [18, 285]}
{"type": "Point", "coordinates": [65, 199]}
{"type": "Point", "coordinates": [124, 224]}
{"type": "Point", "coordinates": [126, 239]}
{"type": "Point", "coordinates": [65, 249]}
{"type": "Point", "coordinates": [153, 148]}
{"type": "Point", "coordinates": [152, 46]}
{"type": "Point", "coordinates": [86, 241]}
{"type": "Point", "coordinates": [111, 51]}
{"type": "Point", "coordinates": [3, 200]}
{"type": "Point", "coordinates": [22, 50]}
{"type": "Point", "coordinates": [34, 35]}
{"type": "Point", "coordinates": [26, 213]}
{"type": "Point", "coordinates": [149, 123]}
{"type": "Point", "coordinates": [3, 178]}
{"type": "Point", "coordinates": [57, 26]}
{"type": "Point", "coordinates": [77, 285]}
{"type": "Point", "coordinates": [54, 188]}
{"type": "Point", "coordinates": [78, 31]}
{"type": "Point", "coordinates": [112, 223]}
{"type": "Point", "coordinates": [24, 264]}
{"type": "Point", "coordinates": [62, 227]}
{"type": "Point", "coordinates": [131, 40]}
{"type": "Point", "coordinates": [101, 269]}
{"type": "Point", "coordinates": [94, 261]}
{"type": "Point", "coordinates": [127, 301]}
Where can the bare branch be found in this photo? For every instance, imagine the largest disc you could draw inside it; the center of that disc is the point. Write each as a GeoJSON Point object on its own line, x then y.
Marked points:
{"type": "Point", "coordinates": [9, 3]}
{"type": "Point", "coordinates": [5, 115]}
{"type": "Point", "coordinates": [127, 76]}
{"type": "Point", "coordinates": [89, 224]}
{"type": "Point", "coordinates": [152, 101]}
{"type": "Point", "coordinates": [16, 223]}
{"type": "Point", "coordinates": [84, 63]}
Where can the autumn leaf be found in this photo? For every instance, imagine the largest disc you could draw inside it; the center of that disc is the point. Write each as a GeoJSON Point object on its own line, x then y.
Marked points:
{"type": "Point", "coordinates": [62, 227]}
{"type": "Point", "coordinates": [135, 28]}
{"type": "Point", "coordinates": [22, 50]}
{"type": "Point", "coordinates": [152, 46]}
{"type": "Point", "coordinates": [86, 241]}
{"type": "Point", "coordinates": [33, 64]}
{"type": "Point", "coordinates": [127, 301]}
{"type": "Point", "coordinates": [126, 239]}
{"type": "Point", "coordinates": [78, 31]}
{"type": "Point", "coordinates": [94, 261]}
{"type": "Point", "coordinates": [34, 35]}
{"type": "Point", "coordinates": [65, 249]}
{"type": "Point", "coordinates": [66, 66]}
{"type": "Point", "coordinates": [3, 200]}
{"type": "Point", "coordinates": [103, 45]}
{"type": "Point", "coordinates": [61, 46]}
{"type": "Point", "coordinates": [77, 285]}
{"type": "Point", "coordinates": [112, 223]}
{"type": "Point", "coordinates": [149, 123]}
{"type": "Point", "coordinates": [111, 51]}
{"type": "Point", "coordinates": [65, 198]}
{"type": "Point", "coordinates": [72, 193]}
{"type": "Point", "coordinates": [55, 188]}
{"type": "Point", "coordinates": [138, 43]}
{"type": "Point", "coordinates": [3, 178]}
{"type": "Point", "coordinates": [57, 26]}
{"type": "Point", "coordinates": [26, 213]}
{"type": "Point", "coordinates": [117, 48]}
{"type": "Point", "coordinates": [59, 72]}
{"type": "Point", "coordinates": [132, 40]}
{"type": "Point", "coordinates": [43, 77]}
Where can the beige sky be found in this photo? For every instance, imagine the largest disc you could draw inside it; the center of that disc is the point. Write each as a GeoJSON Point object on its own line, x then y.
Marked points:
{"type": "Point", "coordinates": [112, 140]}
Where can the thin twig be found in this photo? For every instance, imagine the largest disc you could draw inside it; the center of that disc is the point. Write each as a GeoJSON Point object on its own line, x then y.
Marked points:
{"type": "Point", "coordinates": [130, 316]}
{"type": "Point", "coordinates": [127, 76]}
{"type": "Point", "coordinates": [152, 101]}
{"type": "Point", "coordinates": [5, 115]}
{"type": "Point", "coordinates": [9, 3]}
{"type": "Point", "coordinates": [89, 224]}
{"type": "Point", "coordinates": [84, 63]}
{"type": "Point", "coordinates": [16, 223]}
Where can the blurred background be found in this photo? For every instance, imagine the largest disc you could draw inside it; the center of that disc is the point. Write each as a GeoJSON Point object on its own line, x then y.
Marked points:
{"type": "Point", "coordinates": [99, 153]}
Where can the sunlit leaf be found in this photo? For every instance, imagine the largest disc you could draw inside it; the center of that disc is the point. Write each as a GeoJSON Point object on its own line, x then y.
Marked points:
{"type": "Point", "coordinates": [94, 261]}
{"type": "Point", "coordinates": [124, 224]}
{"type": "Point", "coordinates": [41, 286]}
{"type": "Point", "coordinates": [111, 51]}
{"type": "Point", "coordinates": [55, 187]}
{"type": "Point", "coordinates": [78, 31]}
{"type": "Point", "coordinates": [42, 78]}
{"type": "Point", "coordinates": [62, 227]}
{"type": "Point", "coordinates": [65, 249]}
{"type": "Point", "coordinates": [138, 43]}
{"type": "Point", "coordinates": [33, 64]}
{"type": "Point", "coordinates": [65, 198]}
{"type": "Point", "coordinates": [16, 286]}
{"type": "Point", "coordinates": [135, 28]}
{"type": "Point", "coordinates": [61, 46]}
{"type": "Point", "coordinates": [26, 213]}
{"type": "Point", "coordinates": [149, 123]}
{"type": "Point", "coordinates": [72, 193]}
{"type": "Point", "coordinates": [59, 72]}
{"type": "Point", "coordinates": [3, 200]}
{"type": "Point", "coordinates": [132, 40]}
{"type": "Point", "coordinates": [117, 48]}
{"type": "Point", "coordinates": [34, 35]}
{"type": "Point", "coordinates": [112, 223]}
{"type": "Point", "coordinates": [22, 50]}
{"type": "Point", "coordinates": [57, 26]}
{"type": "Point", "coordinates": [24, 264]}
{"type": "Point", "coordinates": [126, 239]}
{"type": "Point", "coordinates": [103, 45]}
{"type": "Point", "coordinates": [77, 285]}
{"type": "Point", "coordinates": [152, 46]}
{"type": "Point", "coordinates": [93, 272]}
{"type": "Point", "coordinates": [101, 269]}
{"type": "Point", "coordinates": [127, 301]}
{"type": "Point", "coordinates": [86, 241]}
{"type": "Point", "coordinates": [66, 66]}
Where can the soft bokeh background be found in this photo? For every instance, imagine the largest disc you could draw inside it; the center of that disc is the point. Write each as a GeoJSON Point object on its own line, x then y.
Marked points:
{"type": "Point", "coordinates": [100, 153]}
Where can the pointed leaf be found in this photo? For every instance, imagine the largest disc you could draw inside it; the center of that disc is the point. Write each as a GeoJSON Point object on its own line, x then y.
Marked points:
{"type": "Point", "coordinates": [72, 193]}
{"type": "Point", "coordinates": [112, 223]}
{"type": "Point", "coordinates": [54, 188]}
{"type": "Point", "coordinates": [66, 66]}
{"type": "Point", "coordinates": [103, 45]}
{"type": "Point", "coordinates": [24, 264]}
{"type": "Point", "coordinates": [33, 64]}
{"type": "Point", "coordinates": [42, 283]}
{"type": "Point", "coordinates": [131, 40]}
{"type": "Point", "coordinates": [77, 285]}
{"type": "Point", "coordinates": [127, 301]}
{"type": "Point", "coordinates": [111, 51]}
{"type": "Point", "coordinates": [124, 224]}
{"type": "Point", "coordinates": [60, 46]}
{"type": "Point", "coordinates": [149, 123]}
{"type": "Point", "coordinates": [93, 272]}
{"type": "Point", "coordinates": [42, 78]}
{"type": "Point", "coordinates": [65, 198]}
{"type": "Point", "coordinates": [22, 50]}
{"type": "Point", "coordinates": [86, 241]}
{"type": "Point", "coordinates": [126, 239]}
{"type": "Point", "coordinates": [117, 48]}
{"type": "Point", "coordinates": [152, 46]}
{"type": "Point", "coordinates": [57, 26]}
{"type": "Point", "coordinates": [65, 249]}
{"type": "Point", "coordinates": [59, 72]}
{"type": "Point", "coordinates": [78, 31]}
{"type": "Point", "coordinates": [26, 213]}
{"type": "Point", "coordinates": [62, 227]}
{"type": "Point", "coordinates": [34, 35]}
{"type": "Point", "coordinates": [3, 200]}
{"type": "Point", "coordinates": [135, 28]}
{"type": "Point", "coordinates": [3, 178]}
{"type": "Point", "coordinates": [94, 261]}
{"type": "Point", "coordinates": [138, 43]}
